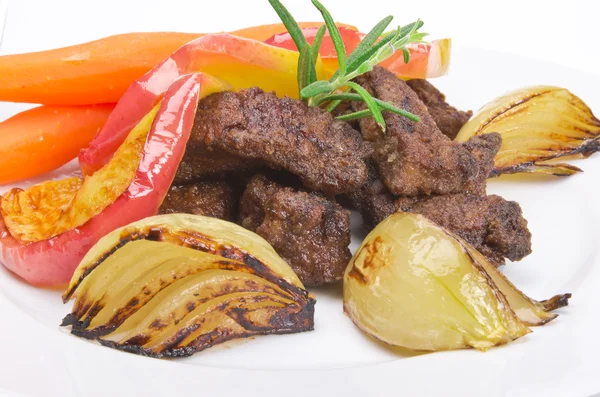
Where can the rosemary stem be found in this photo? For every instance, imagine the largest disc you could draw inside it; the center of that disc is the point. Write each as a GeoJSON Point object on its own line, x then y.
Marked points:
{"type": "Point", "coordinates": [355, 115]}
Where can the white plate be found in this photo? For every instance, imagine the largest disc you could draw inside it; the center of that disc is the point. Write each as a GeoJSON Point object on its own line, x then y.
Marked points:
{"type": "Point", "coordinates": [37, 358]}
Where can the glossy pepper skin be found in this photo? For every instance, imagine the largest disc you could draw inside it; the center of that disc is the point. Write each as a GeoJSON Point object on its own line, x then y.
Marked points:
{"type": "Point", "coordinates": [426, 60]}
{"type": "Point", "coordinates": [243, 63]}
{"type": "Point", "coordinates": [52, 262]}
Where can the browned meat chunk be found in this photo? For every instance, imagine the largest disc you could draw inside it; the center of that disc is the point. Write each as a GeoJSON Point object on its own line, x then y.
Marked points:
{"type": "Point", "coordinates": [344, 108]}
{"type": "Point", "coordinates": [327, 154]}
{"type": "Point", "coordinates": [448, 119]}
{"type": "Point", "coordinates": [199, 164]}
{"type": "Point", "coordinates": [483, 148]}
{"type": "Point", "coordinates": [310, 232]}
{"type": "Point", "coordinates": [373, 199]}
{"type": "Point", "coordinates": [376, 203]}
{"type": "Point", "coordinates": [414, 158]}
{"type": "Point", "coordinates": [215, 199]}
{"type": "Point", "coordinates": [494, 226]}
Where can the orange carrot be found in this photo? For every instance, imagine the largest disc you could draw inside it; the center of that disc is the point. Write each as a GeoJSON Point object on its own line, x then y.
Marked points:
{"type": "Point", "coordinates": [96, 72]}
{"type": "Point", "coordinates": [44, 138]}
{"type": "Point", "coordinates": [99, 71]}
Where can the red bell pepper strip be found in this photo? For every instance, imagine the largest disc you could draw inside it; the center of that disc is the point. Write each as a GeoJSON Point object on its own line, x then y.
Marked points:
{"type": "Point", "coordinates": [426, 60]}
{"type": "Point", "coordinates": [241, 62]}
{"type": "Point", "coordinates": [52, 262]}
{"type": "Point", "coordinates": [350, 37]}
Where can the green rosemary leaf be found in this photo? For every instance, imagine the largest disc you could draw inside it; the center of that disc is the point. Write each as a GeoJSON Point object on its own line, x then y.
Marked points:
{"type": "Point", "coordinates": [365, 113]}
{"type": "Point", "coordinates": [335, 75]}
{"type": "Point", "coordinates": [383, 105]}
{"type": "Point", "coordinates": [305, 65]}
{"type": "Point", "coordinates": [340, 97]}
{"type": "Point", "coordinates": [356, 115]}
{"type": "Point", "coordinates": [406, 54]}
{"type": "Point", "coordinates": [290, 23]}
{"type": "Point", "coordinates": [370, 38]}
{"type": "Point", "coordinates": [391, 108]}
{"type": "Point", "coordinates": [418, 37]}
{"type": "Point", "coordinates": [316, 45]}
{"type": "Point", "coordinates": [332, 105]}
{"type": "Point", "coordinates": [371, 104]}
{"type": "Point", "coordinates": [373, 49]}
{"type": "Point", "coordinates": [411, 27]}
{"type": "Point", "coordinates": [316, 88]}
{"type": "Point", "coordinates": [368, 54]}
{"type": "Point", "coordinates": [336, 37]}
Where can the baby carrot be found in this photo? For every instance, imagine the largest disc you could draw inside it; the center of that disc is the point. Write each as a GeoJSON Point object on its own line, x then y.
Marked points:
{"type": "Point", "coordinates": [99, 71]}
{"type": "Point", "coordinates": [44, 138]}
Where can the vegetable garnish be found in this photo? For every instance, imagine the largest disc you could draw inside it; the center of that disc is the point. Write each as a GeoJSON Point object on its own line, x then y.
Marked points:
{"type": "Point", "coordinates": [172, 285]}
{"type": "Point", "coordinates": [427, 60]}
{"type": "Point", "coordinates": [78, 75]}
{"type": "Point", "coordinates": [414, 284]}
{"type": "Point", "coordinates": [241, 63]}
{"type": "Point", "coordinates": [42, 139]}
{"type": "Point", "coordinates": [52, 261]}
{"type": "Point", "coordinates": [34, 215]}
{"type": "Point", "coordinates": [372, 50]}
{"type": "Point", "coordinates": [537, 124]}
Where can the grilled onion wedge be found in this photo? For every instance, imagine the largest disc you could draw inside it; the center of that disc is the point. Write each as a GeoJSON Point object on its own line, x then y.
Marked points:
{"type": "Point", "coordinates": [537, 124]}
{"type": "Point", "coordinates": [172, 285]}
{"type": "Point", "coordinates": [416, 285]}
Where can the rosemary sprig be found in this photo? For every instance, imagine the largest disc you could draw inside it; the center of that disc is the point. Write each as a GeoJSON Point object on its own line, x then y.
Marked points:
{"type": "Point", "coordinates": [336, 37]}
{"type": "Point", "coordinates": [370, 102]}
{"type": "Point", "coordinates": [382, 104]}
{"type": "Point", "coordinates": [290, 23]}
{"type": "Point", "coordinates": [306, 64]}
{"type": "Point", "coordinates": [316, 45]}
{"type": "Point", "coordinates": [375, 47]}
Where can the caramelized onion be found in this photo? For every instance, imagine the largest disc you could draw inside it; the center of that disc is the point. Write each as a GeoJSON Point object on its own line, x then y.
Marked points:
{"type": "Point", "coordinates": [537, 124]}
{"type": "Point", "coordinates": [171, 285]}
{"type": "Point", "coordinates": [416, 285]}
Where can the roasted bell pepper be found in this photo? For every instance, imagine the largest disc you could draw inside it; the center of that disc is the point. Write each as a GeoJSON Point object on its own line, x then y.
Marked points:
{"type": "Point", "coordinates": [241, 62]}
{"type": "Point", "coordinates": [426, 60]}
{"type": "Point", "coordinates": [52, 261]}
{"type": "Point", "coordinates": [48, 209]}
{"type": "Point", "coordinates": [41, 139]}
{"type": "Point", "coordinates": [99, 71]}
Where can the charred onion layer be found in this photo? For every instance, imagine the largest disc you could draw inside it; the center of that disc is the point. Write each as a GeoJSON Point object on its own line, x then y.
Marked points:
{"type": "Point", "coordinates": [172, 285]}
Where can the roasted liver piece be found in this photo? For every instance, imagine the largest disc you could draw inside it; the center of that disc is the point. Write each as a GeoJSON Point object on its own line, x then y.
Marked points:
{"type": "Point", "coordinates": [417, 168]}
{"type": "Point", "coordinates": [447, 118]}
{"type": "Point", "coordinates": [309, 231]}
{"type": "Point", "coordinates": [216, 199]}
{"type": "Point", "coordinates": [328, 155]}
{"type": "Point", "coordinates": [493, 225]}
{"type": "Point", "coordinates": [376, 202]}
{"type": "Point", "coordinates": [484, 149]}
{"type": "Point", "coordinates": [199, 164]}
{"type": "Point", "coordinates": [413, 158]}
{"type": "Point", "coordinates": [373, 199]}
